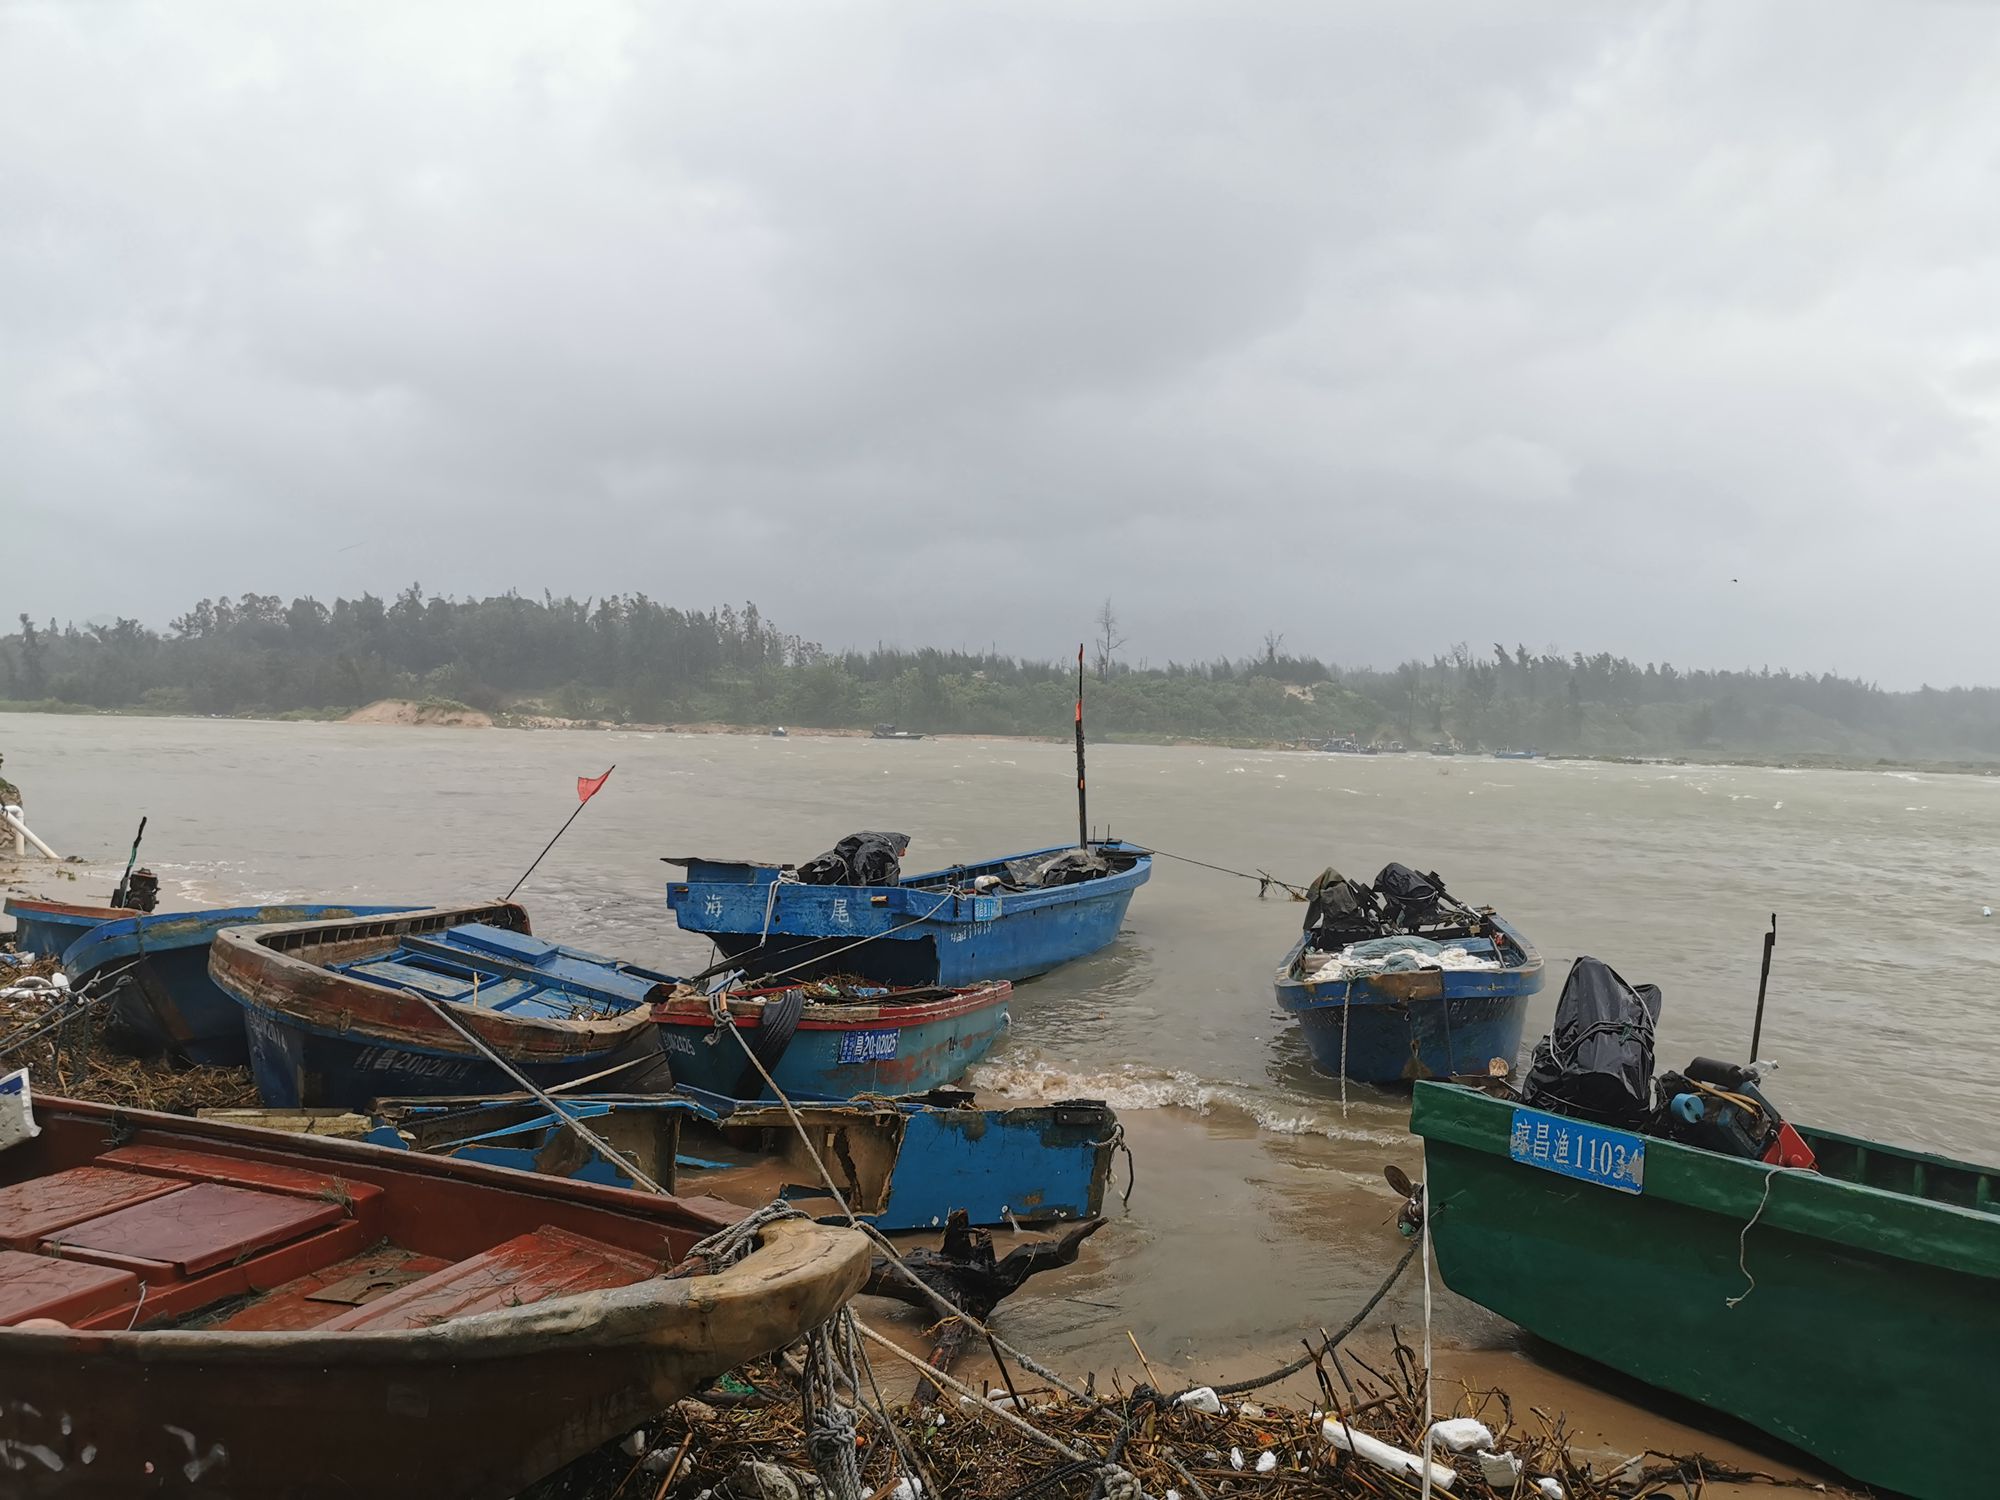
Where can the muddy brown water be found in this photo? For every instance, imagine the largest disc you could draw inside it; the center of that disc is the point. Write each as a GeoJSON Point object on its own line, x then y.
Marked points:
{"type": "Point", "coordinates": [1259, 1209]}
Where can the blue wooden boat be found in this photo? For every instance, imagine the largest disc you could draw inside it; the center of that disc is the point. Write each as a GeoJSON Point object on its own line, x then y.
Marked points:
{"type": "Point", "coordinates": [1384, 1002]}
{"type": "Point", "coordinates": [899, 1165]}
{"type": "Point", "coordinates": [163, 1000]}
{"type": "Point", "coordinates": [825, 1040]}
{"type": "Point", "coordinates": [958, 926]}
{"type": "Point", "coordinates": [49, 927]}
{"type": "Point", "coordinates": [342, 1012]}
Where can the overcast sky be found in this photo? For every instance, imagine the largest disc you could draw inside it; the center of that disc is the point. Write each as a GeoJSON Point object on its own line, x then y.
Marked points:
{"type": "Point", "coordinates": [1672, 330]}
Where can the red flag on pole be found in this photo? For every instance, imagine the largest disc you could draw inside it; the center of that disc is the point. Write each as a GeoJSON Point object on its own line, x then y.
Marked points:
{"type": "Point", "coordinates": [586, 786]}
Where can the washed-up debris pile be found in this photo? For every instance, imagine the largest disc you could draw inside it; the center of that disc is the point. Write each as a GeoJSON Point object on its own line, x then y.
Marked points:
{"type": "Point", "coordinates": [58, 1034]}
{"type": "Point", "coordinates": [1366, 1440]}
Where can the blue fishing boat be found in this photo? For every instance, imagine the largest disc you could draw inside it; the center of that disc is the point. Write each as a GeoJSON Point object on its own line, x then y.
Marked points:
{"type": "Point", "coordinates": [825, 1040]}
{"type": "Point", "coordinates": [1400, 981]}
{"type": "Point", "coordinates": [162, 1000]}
{"type": "Point", "coordinates": [1009, 918]}
{"type": "Point", "coordinates": [49, 927]}
{"type": "Point", "coordinates": [899, 1165]}
{"type": "Point", "coordinates": [424, 1002]}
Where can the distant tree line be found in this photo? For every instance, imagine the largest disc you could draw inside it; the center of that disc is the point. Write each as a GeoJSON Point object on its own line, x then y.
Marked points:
{"type": "Point", "coordinates": [631, 659]}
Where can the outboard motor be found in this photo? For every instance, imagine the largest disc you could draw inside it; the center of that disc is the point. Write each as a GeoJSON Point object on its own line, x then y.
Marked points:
{"type": "Point", "coordinates": [140, 891]}
{"type": "Point", "coordinates": [1409, 900]}
{"type": "Point", "coordinates": [1597, 1062]}
{"type": "Point", "coordinates": [1718, 1106]}
{"type": "Point", "coordinates": [1340, 911]}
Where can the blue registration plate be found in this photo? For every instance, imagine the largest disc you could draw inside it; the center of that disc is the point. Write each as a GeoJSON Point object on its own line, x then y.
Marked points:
{"type": "Point", "coordinates": [868, 1046]}
{"type": "Point", "coordinates": [1577, 1148]}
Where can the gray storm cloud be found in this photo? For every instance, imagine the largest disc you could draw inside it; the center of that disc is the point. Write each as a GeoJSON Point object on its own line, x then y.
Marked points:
{"type": "Point", "coordinates": [1380, 325]}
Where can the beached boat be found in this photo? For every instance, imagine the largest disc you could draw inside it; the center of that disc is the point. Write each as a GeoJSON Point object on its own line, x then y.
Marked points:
{"type": "Point", "coordinates": [832, 1040]}
{"type": "Point", "coordinates": [49, 927]}
{"type": "Point", "coordinates": [1001, 919]}
{"type": "Point", "coordinates": [1832, 1309]}
{"type": "Point", "coordinates": [342, 1012]}
{"type": "Point", "coordinates": [195, 1307]}
{"type": "Point", "coordinates": [899, 1165]}
{"type": "Point", "coordinates": [163, 1000]}
{"type": "Point", "coordinates": [1388, 994]}
{"type": "Point", "coordinates": [891, 732]}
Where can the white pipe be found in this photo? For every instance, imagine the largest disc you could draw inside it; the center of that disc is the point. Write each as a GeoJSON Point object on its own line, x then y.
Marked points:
{"type": "Point", "coordinates": [12, 813]}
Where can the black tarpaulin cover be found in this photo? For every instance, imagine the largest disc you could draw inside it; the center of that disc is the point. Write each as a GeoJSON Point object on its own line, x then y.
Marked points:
{"type": "Point", "coordinates": [1597, 1064]}
{"type": "Point", "coordinates": [859, 859]}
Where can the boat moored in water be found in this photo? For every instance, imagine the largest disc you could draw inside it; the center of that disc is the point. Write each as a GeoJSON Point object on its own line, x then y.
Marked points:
{"type": "Point", "coordinates": [187, 1303]}
{"type": "Point", "coordinates": [1006, 918]}
{"type": "Point", "coordinates": [342, 1012]}
{"type": "Point", "coordinates": [829, 1040]}
{"type": "Point", "coordinates": [1399, 981]}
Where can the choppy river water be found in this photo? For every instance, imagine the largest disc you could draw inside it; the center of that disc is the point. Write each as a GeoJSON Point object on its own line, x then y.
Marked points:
{"type": "Point", "coordinates": [1260, 1209]}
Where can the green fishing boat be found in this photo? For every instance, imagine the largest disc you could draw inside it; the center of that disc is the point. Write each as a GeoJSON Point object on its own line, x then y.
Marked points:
{"type": "Point", "coordinates": [1857, 1317]}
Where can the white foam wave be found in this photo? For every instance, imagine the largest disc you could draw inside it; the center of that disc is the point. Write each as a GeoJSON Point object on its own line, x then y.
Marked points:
{"type": "Point", "coordinates": [1030, 1079]}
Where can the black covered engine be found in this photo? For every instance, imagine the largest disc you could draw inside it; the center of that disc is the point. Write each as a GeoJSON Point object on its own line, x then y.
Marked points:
{"type": "Point", "coordinates": [859, 859]}
{"type": "Point", "coordinates": [1409, 900]}
{"type": "Point", "coordinates": [1597, 1063]}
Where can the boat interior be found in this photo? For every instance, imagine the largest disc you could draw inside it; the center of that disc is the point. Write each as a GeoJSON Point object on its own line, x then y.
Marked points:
{"type": "Point", "coordinates": [485, 957]}
{"type": "Point", "coordinates": [1121, 857]}
{"type": "Point", "coordinates": [1910, 1173]}
{"type": "Point", "coordinates": [110, 1227]}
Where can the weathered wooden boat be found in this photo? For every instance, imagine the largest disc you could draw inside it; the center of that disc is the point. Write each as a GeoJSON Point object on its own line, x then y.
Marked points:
{"type": "Point", "coordinates": [956, 926]}
{"type": "Point", "coordinates": [342, 1012]}
{"type": "Point", "coordinates": [1833, 1309]}
{"type": "Point", "coordinates": [828, 1041]}
{"type": "Point", "coordinates": [49, 927]}
{"type": "Point", "coordinates": [891, 732]}
{"type": "Point", "coordinates": [163, 1000]}
{"type": "Point", "coordinates": [899, 1165]}
{"type": "Point", "coordinates": [1387, 1001]}
{"type": "Point", "coordinates": [195, 1307]}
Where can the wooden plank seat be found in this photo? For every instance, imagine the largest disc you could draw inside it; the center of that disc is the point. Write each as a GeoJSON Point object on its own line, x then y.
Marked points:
{"type": "Point", "coordinates": [39, 1286]}
{"type": "Point", "coordinates": [31, 1211]}
{"type": "Point", "coordinates": [548, 1262]}
{"type": "Point", "coordinates": [198, 1229]}
{"type": "Point", "coordinates": [236, 1171]}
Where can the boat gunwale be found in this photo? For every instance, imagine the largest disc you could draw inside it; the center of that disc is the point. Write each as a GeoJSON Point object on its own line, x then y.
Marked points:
{"type": "Point", "coordinates": [1859, 1216]}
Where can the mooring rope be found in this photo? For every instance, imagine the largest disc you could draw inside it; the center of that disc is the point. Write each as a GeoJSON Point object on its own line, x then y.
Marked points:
{"type": "Point", "coordinates": [1264, 878]}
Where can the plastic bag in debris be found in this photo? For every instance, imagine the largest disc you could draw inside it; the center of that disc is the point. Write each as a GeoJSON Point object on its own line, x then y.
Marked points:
{"type": "Point", "coordinates": [17, 1110]}
{"type": "Point", "coordinates": [1071, 867]}
{"type": "Point", "coordinates": [1597, 1064]}
{"type": "Point", "coordinates": [859, 859]}
{"type": "Point", "coordinates": [1461, 1433]}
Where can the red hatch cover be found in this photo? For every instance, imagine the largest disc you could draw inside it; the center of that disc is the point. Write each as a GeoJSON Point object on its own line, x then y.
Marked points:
{"type": "Point", "coordinates": [37, 1286]}
{"type": "Point", "coordinates": [551, 1262]}
{"type": "Point", "coordinates": [199, 1228]}
{"type": "Point", "coordinates": [33, 1210]}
